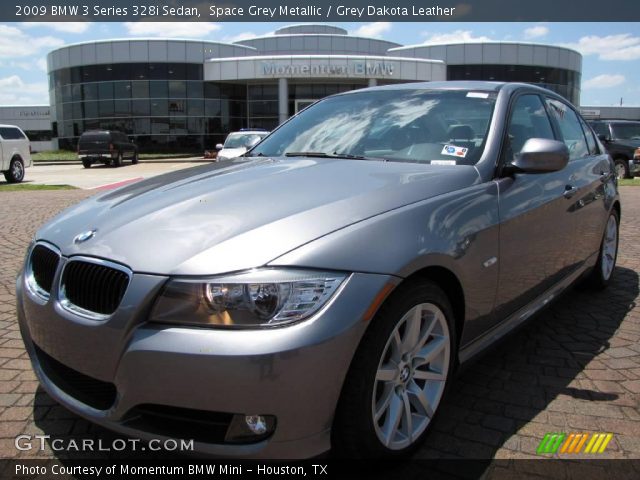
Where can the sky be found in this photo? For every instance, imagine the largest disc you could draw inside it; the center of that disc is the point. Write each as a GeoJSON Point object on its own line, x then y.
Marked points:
{"type": "Point", "coordinates": [611, 51]}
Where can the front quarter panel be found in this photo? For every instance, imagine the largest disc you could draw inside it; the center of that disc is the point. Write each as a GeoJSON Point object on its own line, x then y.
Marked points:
{"type": "Point", "coordinates": [457, 231]}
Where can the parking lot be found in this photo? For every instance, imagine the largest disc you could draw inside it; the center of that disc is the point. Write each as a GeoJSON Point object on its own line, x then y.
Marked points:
{"type": "Point", "coordinates": [575, 368]}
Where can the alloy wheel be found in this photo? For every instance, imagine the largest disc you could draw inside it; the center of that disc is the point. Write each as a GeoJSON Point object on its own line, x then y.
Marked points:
{"type": "Point", "coordinates": [411, 376]}
{"type": "Point", "coordinates": [17, 170]}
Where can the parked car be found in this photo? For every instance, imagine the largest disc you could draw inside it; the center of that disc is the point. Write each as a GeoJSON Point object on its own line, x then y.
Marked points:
{"type": "Point", "coordinates": [237, 143]}
{"type": "Point", "coordinates": [15, 153]}
{"type": "Point", "coordinates": [109, 147]}
{"type": "Point", "coordinates": [322, 290]}
{"type": "Point", "coordinates": [621, 138]}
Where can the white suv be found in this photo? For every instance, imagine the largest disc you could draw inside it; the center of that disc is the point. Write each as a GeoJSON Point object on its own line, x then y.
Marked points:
{"type": "Point", "coordinates": [15, 153]}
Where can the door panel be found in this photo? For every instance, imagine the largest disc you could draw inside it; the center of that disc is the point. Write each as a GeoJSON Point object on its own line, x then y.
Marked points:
{"type": "Point", "coordinates": [536, 217]}
{"type": "Point", "coordinates": [536, 232]}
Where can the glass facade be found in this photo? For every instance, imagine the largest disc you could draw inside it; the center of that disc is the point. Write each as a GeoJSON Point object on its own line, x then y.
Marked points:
{"type": "Point", "coordinates": [167, 105]}
{"type": "Point", "coordinates": [562, 81]}
{"type": "Point", "coordinates": [161, 105]}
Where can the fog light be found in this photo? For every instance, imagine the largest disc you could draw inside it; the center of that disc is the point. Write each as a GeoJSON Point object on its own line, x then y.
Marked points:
{"type": "Point", "coordinates": [256, 423]}
{"type": "Point", "coordinates": [250, 428]}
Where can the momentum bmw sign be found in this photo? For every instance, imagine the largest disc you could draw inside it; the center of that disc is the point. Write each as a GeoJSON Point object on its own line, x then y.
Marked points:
{"type": "Point", "coordinates": [360, 68]}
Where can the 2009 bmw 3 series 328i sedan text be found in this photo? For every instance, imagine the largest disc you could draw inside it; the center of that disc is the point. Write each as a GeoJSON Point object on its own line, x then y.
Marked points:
{"type": "Point", "coordinates": [320, 291]}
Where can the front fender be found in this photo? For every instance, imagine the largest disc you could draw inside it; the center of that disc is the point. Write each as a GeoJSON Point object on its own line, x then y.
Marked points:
{"type": "Point", "coordinates": [457, 231]}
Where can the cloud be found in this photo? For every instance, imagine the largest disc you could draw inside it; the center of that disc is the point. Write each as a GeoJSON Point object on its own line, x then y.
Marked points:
{"type": "Point", "coordinates": [171, 29]}
{"type": "Point", "coordinates": [622, 46]}
{"type": "Point", "coordinates": [15, 43]}
{"type": "Point", "coordinates": [604, 81]}
{"type": "Point", "coordinates": [14, 91]}
{"type": "Point", "coordinates": [457, 36]}
{"type": "Point", "coordinates": [536, 32]}
{"type": "Point", "coordinates": [65, 27]}
{"type": "Point", "coordinates": [28, 64]}
{"type": "Point", "coordinates": [373, 30]}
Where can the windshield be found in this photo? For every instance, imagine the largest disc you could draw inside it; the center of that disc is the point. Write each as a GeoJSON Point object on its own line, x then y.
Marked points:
{"type": "Point", "coordinates": [431, 126]}
{"type": "Point", "coordinates": [240, 140]}
{"type": "Point", "coordinates": [626, 131]}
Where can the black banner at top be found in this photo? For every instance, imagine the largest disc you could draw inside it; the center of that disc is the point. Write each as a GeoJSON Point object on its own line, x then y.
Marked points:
{"type": "Point", "coordinates": [320, 10]}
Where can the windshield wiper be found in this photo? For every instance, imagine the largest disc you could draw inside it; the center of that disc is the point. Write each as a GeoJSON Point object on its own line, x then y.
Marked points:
{"type": "Point", "coordinates": [347, 156]}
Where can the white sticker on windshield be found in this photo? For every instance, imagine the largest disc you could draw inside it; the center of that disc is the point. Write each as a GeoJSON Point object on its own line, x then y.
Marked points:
{"type": "Point", "coordinates": [443, 162]}
{"type": "Point", "coordinates": [454, 151]}
{"type": "Point", "coordinates": [477, 95]}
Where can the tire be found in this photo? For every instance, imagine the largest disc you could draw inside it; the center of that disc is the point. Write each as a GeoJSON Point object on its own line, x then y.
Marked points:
{"type": "Point", "coordinates": [117, 162]}
{"type": "Point", "coordinates": [602, 273]}
{"type": "Point", "coordinates": [621, 168]}
{"type": "Point", "coordinates": [386, 379]}
{"type": "Point", "coordinates": [134, 160]}
{"type": "Point", "coordinates": [15, 174]}
{"type": "Point", "coordinates": [86, 163]}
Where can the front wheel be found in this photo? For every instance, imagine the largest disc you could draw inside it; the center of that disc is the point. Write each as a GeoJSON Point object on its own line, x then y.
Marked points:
{"type": "Point", "coordinates": [399, 375]}
{"type": "Point", "coordinates": [15, 174]}
{"type": "Point", "coordinates": [117, 162]}
{"type": "Point", "coordinates": [601, 275]}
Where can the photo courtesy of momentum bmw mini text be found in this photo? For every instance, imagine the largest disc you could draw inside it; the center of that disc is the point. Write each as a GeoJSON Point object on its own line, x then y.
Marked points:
{"type": "Point", "coordinates": [352, 239]}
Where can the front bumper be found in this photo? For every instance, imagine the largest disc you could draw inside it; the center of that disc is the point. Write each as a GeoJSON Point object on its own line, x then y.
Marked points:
{"type": "Point", "coordinates": [294, 373]}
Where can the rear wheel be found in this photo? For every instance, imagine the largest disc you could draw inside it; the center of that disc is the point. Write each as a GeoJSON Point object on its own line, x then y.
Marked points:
{"type": "Point", "coordinates": [602, 273]}
{"type": "Point", "coordinates": [134, 160]}
{"type": "Point", "coordinates": [622, 168]}
{"type": "Point", "coordinates": [15, 174]}
{"type": "Point", "coordinates": [398, 376]}
{"type": "Point", "coordinates": [86, 163]}
{"type": "Point", "coordinates": [117, 162]}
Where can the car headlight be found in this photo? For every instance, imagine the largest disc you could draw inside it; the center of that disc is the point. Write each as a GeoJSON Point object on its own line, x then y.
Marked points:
{"type": "Point", "coordinates": [260, 298]}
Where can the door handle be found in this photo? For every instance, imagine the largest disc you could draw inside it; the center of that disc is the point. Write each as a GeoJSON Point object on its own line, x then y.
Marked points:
{"type": "Point", "coordinates": [570, 191]}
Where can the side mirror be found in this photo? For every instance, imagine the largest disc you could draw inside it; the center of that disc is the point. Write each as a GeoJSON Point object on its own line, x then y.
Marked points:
{"type": "Point", "coordinates": [603, 137]}
{"type": "Point", "coordinates": [540, 155]}
{"type": "Point", "coordinates": [219, 146]}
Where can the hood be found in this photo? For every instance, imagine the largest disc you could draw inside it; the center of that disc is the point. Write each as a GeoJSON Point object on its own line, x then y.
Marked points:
{"type": "Point", "coordinates": [231, 216]}
{"type": "Point", "coordinates": [232, 152]}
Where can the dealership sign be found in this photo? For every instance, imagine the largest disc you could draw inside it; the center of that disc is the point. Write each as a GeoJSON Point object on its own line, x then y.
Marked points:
{"type": "Point", "coordinates": [354, 68]}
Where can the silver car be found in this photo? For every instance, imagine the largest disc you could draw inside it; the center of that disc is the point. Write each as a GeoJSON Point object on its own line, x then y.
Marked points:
{"type": "Point", "coordinates": [321, 291]}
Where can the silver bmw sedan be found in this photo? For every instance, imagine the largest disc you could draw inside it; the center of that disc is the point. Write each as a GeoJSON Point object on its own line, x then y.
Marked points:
{"type": "Point", "coordinates": [320, 291]}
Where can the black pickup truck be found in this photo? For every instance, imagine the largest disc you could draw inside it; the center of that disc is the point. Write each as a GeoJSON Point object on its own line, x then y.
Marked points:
{"type": "Point", "coordinates": [106, 146]}
{"type": "Point", "coordinates": [621, 138]}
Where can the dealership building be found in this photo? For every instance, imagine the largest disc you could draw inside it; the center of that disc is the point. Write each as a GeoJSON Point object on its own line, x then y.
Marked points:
{"type": "Point", "coordinates": [188, 94]}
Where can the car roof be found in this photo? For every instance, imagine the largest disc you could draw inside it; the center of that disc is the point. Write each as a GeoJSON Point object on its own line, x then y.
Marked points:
{"type": "Point", "coordinates": [9, 126]}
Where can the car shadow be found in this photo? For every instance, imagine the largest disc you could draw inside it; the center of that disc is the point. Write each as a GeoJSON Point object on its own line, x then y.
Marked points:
{"type": "Point", "coordinates": [528, 384]}
{"type": "Point", "coordinates": [506, 400]}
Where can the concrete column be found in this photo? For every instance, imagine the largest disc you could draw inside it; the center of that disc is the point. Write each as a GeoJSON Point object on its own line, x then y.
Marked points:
{"type": "Point", "coordinates": [283, 100]}
{"type": "Point", "coordinates": [373, 82]}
